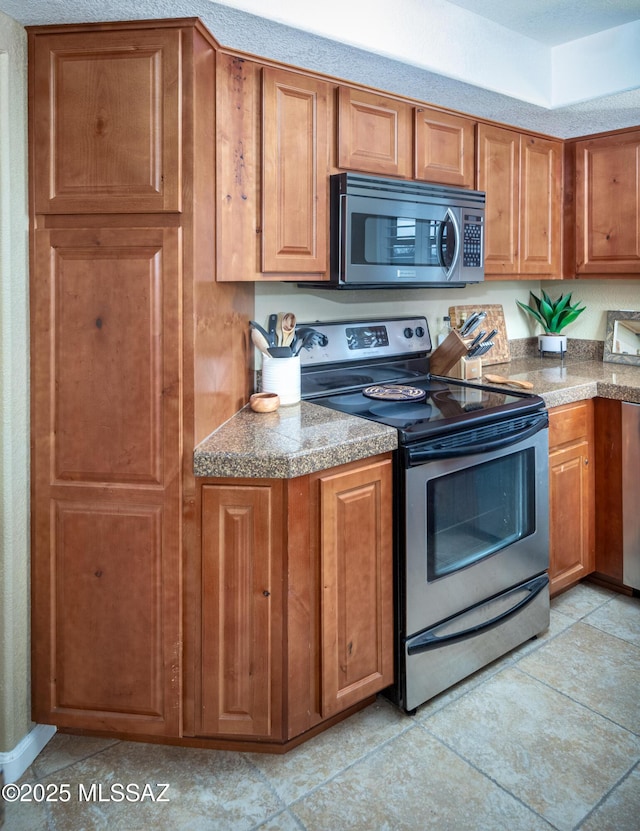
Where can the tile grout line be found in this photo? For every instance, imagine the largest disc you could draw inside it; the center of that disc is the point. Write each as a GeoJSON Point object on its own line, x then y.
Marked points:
{"type": "Point", "coordinates": [352, 764]}
{"type": "Point", "coordinates": [611, 634]}
{"type": "Point", "coordinates": [485, 775]}
{"type": "Point", "coordinates": [605, 796]}
{"type": "Point", "coordinates": [579, 703]}
{"type": "Point", "coordinates": [40, 777]}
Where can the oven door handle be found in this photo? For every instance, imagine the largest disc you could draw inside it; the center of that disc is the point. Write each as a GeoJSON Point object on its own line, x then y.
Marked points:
{"type": "Point", "coordinates": [430, 640]}
{"type": "Point", "coordinates": [418, 455]}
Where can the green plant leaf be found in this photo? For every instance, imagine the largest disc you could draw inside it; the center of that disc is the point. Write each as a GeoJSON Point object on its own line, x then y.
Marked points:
{"type": "Point", "coordinates": [533, 312]}
{"type": "Point", "coordinates": [569, 316]}
{"type": "Point", "coordinates": [546, 298]}
{"type": "Point", "coordinates": [535, 299]}
{"type": "Point", "coordinates": [546, 310]}
{"type": "Point", "coordinates": [562, 302]}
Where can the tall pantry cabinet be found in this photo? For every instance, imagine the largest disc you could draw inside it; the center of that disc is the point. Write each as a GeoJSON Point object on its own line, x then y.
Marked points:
{"type": "Point", "coordinates": [137, 355]}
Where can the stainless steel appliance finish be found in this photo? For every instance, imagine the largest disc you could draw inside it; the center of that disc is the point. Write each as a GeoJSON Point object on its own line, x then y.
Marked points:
{"type": "Point", "coordinates": [631, 494]}
{"type": "Point", "coordinates": [395, 233]}
{"type": "Point", "coordinates": [470, 501]}
{"type": "Point", "coordinates": [486, 535]}
{"type": "Point", "coordinates": [440, 657]}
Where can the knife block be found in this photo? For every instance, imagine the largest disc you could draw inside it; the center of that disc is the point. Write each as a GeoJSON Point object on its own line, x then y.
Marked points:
{"type": "Point", "coordinates": [467, 369]}
{"type": "Point", "coordinates": [447, 355]}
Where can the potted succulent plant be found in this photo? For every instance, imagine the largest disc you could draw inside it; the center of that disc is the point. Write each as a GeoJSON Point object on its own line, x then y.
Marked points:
{"type": "Point", "coordinates": [553, 315]}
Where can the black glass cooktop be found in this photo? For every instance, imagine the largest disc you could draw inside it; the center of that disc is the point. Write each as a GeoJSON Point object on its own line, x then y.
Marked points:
{"type": "Point", "coordinates": [448, 406]}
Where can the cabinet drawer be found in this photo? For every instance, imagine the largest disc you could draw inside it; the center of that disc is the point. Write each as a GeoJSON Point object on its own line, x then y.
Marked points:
{"type": "Point", "coordinates": [569, 422]}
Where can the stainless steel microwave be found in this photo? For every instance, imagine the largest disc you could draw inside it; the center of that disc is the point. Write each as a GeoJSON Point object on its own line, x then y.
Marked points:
{"type": "Point", "coordinates": [389, 233]}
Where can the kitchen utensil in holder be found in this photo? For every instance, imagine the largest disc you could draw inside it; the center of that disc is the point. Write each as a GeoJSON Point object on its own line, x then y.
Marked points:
{"type": "Point", "coordinates": [447, 355]}
{"type": "Point", "coordinates": [282, 376]}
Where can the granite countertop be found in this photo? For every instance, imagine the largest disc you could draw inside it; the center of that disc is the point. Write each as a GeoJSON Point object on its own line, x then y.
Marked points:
{"type": "Point", "coordinates": [295, 440]}
{"type": "Point", "coordinates": [563, 382]}
{"type": "Point", "coordinates": [304, 438]}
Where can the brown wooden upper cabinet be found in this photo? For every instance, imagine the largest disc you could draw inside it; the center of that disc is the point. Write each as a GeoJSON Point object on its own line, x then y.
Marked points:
{"type": "Point", "coordinates": [374, 133]}
{"type": "Point", "coordinates": [445, 148]}
{"type": "Point", "coordinates": [295, 172]}
{"type": "Point", "coordinates": [522, 177]}
{"type": "Point", "coordinates": [106, 127]}
{"type": "Point", "coordinates": [607, 205]}
{"type": "Point", "coordinates": [272, 171]}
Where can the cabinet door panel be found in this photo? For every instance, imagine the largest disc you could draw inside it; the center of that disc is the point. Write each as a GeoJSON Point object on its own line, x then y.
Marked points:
{"type": "Point", "coordinates": [540, 206]}
{"type": "Point", "coordinates": [445, 148]}
{"type": "Point", "coordinates": [498, 175]}
{"type": "Point", "coordinates": [108, 557]}
{"type": "Point", "coordinates": [295, 165]}
{"type": "Point", "coordinates": [105, 461]}
{"type": "Point", "coordinates": [106, 325]}
{"type": "Point", "coordinates": [571, 494]}
{"type": "Point", "coordinates": [107, 122]}
{"type": "Point", "coordinates": [569, 500]}
{"type": "Point", "coordinates": [241, 645]}
{"type": "Point", "coordinates": [608, 205]}
{"type": "Point", "coordinates": [356, 568]}
{"type": "Point", "coordinates": [238, 166]}
{"type": "Point", "coordinates": [374, 133]}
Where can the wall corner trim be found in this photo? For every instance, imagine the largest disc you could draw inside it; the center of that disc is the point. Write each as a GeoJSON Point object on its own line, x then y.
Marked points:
{"type": "Point", "coordinates": [14, 762]}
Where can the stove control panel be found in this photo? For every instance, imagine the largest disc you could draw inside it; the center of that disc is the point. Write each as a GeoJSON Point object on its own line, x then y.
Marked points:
{"type": "Point", "coordinates": [354, 340]}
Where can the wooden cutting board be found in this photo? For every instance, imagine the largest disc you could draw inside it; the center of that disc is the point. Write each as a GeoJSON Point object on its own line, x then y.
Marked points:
{"type": "Point", "coordinates": [494, 320]}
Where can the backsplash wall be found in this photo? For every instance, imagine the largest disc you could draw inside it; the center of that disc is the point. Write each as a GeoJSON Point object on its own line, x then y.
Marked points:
{"type": "Point", "coordinates": [317, 304]}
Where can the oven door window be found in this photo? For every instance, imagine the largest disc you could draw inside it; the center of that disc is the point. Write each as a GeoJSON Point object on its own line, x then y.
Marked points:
{"type": "Point", "coordinates": [474, 512]}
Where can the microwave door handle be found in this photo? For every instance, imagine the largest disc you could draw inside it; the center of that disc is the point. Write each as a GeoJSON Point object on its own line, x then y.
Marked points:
{"type": "Point", "coordinates": [440, 247]}
{"type": "Point", "coordinates": [344, 250]}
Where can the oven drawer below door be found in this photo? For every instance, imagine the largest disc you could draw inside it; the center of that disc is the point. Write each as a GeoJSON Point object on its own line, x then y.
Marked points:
{"type": "Point", "coordinates": [446, 653]}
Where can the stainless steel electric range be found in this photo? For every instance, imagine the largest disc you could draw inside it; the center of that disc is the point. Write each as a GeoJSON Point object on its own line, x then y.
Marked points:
{"type": "Point", "coordinates": [470, 498]}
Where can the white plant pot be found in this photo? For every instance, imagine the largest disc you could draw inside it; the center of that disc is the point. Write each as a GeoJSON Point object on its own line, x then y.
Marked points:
{"type": "Point", "coordinates": [552, 343]}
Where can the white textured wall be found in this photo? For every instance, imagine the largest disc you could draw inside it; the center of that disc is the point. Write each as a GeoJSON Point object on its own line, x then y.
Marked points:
{"type": "Point", "coordinates": [14, 390]}
{"type": "Point", "coordinates": [308, 304]}
{"type": "Point", "coordinates": [597, 65]}
{"type": "Point", "coordinates": [598, 295]}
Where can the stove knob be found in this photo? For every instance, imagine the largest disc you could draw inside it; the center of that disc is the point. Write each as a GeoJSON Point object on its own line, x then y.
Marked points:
{"type": "Point", "coordinates": [419, 332]}
{"type": "Point", "coordinates": [408, 333]}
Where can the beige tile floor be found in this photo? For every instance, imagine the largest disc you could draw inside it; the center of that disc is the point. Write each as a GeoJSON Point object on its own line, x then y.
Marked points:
{"type": "Point", "coordinates": [548, 737]}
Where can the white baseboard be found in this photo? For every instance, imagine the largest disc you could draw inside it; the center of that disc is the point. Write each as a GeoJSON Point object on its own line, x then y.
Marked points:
{"type": "Point", "coordinates": [14, 762]}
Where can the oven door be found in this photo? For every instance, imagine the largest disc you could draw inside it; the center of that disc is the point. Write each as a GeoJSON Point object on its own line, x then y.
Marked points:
{"type": "Point", "coordinates": [475, 524]}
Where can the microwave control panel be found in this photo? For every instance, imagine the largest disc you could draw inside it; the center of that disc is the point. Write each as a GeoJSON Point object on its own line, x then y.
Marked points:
{"type": "Point", "coordinates": [473, 239]}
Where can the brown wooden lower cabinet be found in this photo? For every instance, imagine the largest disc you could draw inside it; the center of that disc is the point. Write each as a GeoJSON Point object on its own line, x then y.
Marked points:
{"type": "Point", "coordinates": [609, 462]}
{"type": "Point", "coordinates": [294, 614]}
{"type": "Point", "coordinates": [571, 494]}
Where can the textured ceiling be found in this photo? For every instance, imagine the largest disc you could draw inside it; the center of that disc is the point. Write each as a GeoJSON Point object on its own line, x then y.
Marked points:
{"type": "Point", "coordinates": [264, 37]}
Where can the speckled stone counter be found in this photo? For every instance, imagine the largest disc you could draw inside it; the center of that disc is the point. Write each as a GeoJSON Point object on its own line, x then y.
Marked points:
{"type": "Point", "coordinates": [563, 382]}
{"type": "Point", "coordinates": [293, 441]}
{"type": "Point", "coordinates": [305, 438]}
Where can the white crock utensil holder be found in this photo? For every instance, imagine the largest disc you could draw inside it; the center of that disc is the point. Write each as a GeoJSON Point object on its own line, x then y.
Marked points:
{"type": "Point", "coordinates": [282, 376]}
